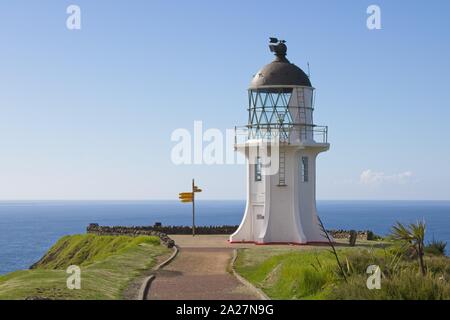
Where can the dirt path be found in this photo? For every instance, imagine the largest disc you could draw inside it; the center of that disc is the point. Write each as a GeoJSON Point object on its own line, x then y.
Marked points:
{"type": "Point", "coordinates": [199, 272]}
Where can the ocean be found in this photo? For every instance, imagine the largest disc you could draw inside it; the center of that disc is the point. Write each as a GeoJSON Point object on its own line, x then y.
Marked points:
{"type": "Point", "coordinates": [29, 228]}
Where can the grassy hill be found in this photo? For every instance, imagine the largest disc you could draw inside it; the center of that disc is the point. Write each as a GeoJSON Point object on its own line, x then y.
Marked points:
{"type": "Point", "coordinates": [108, 265]}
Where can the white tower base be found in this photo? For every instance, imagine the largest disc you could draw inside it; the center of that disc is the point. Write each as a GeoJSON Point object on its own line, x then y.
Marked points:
{"type": "Point", "coordinates": [286, 213]}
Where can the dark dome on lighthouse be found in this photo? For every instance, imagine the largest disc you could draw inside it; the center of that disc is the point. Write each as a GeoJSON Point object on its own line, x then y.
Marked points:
{"type": "Point", "coordinates": [279, 72]}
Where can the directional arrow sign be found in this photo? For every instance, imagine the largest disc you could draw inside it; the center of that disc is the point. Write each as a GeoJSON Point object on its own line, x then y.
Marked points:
{"type": "Point", "coordinates": [186, 194]}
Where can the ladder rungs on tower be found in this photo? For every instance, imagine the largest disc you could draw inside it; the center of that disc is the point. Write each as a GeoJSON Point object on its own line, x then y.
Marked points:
{"type": "Point", "coordinates": [282, 169]}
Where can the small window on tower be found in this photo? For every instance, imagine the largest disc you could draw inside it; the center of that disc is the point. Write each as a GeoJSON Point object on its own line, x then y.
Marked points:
{"type": "Point", "coordinates": [304, 169]}
{"type": "Point", "coordinates": [258, 167]}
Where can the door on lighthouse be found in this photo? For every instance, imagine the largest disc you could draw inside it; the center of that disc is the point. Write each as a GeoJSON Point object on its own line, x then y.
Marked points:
{"type": "Point", "coordinates": [258, 221]}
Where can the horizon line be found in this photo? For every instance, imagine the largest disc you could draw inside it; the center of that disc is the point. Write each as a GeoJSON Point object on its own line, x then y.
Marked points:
{"type": "Point", "coordinates": [176, 200]}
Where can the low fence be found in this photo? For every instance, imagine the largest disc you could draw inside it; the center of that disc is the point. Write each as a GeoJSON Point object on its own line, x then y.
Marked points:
{"type": "Point", "coordinates": [163, 231]}
{"type": "Point", "coordinates": [345, 234]}
{"type": "Point", "coordinates": [225, 229]}
{"type": "Point", "coordinates": [94, 228]}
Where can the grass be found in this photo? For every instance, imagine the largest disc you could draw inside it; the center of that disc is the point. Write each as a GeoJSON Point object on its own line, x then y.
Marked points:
{"type": "Point", "coordinates": [108, 264]}
{"type": "Point", "coordinates": [314, 274]}
{"type": "Point", "coordinates": [86, 249]}
{"type": "Point", "coordinates": [288, 274]}
{"type": "Point", "coordinates": [406, 285]}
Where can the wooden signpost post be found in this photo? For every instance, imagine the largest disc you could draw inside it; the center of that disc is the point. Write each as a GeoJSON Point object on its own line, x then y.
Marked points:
{"type": "Point", "coordinates": [187, 197]}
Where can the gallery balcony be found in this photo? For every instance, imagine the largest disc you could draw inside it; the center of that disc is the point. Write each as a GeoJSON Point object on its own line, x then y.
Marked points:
{"type": "Point", "coordinates": [284, 135]}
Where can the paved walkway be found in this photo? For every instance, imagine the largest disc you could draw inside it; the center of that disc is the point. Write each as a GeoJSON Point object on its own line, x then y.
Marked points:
{"type": "Point", "coordinates": [199, 272]}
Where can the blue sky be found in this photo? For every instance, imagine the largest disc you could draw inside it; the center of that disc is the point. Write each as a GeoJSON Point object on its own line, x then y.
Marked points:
{"type": "Point", "coordinates": [88, 114]}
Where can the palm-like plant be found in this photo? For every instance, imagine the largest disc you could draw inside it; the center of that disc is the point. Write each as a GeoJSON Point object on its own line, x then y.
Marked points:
{"type": "Point", "coordinates": [333, 251]}
{"type": "Point", "coordinates": [414, 236]}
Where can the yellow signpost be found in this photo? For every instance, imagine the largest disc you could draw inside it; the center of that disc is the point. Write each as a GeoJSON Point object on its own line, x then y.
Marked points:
{"type": "Point", "coordinates": [187, 197]}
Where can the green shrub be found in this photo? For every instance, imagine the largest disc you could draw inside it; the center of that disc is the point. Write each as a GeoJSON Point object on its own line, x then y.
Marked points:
{"type": "Point", "coordinates": [436, 247]}
{"type": "Point", "coordinates": [372, 236]}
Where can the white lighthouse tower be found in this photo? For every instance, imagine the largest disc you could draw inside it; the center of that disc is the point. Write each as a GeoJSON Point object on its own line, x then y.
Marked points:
{"type": "Point", "coordinates": [281, 194]}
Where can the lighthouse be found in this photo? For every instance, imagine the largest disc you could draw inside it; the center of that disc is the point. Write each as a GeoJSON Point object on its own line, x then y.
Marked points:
{"type": "Point", "coordinates": [281, 143]}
